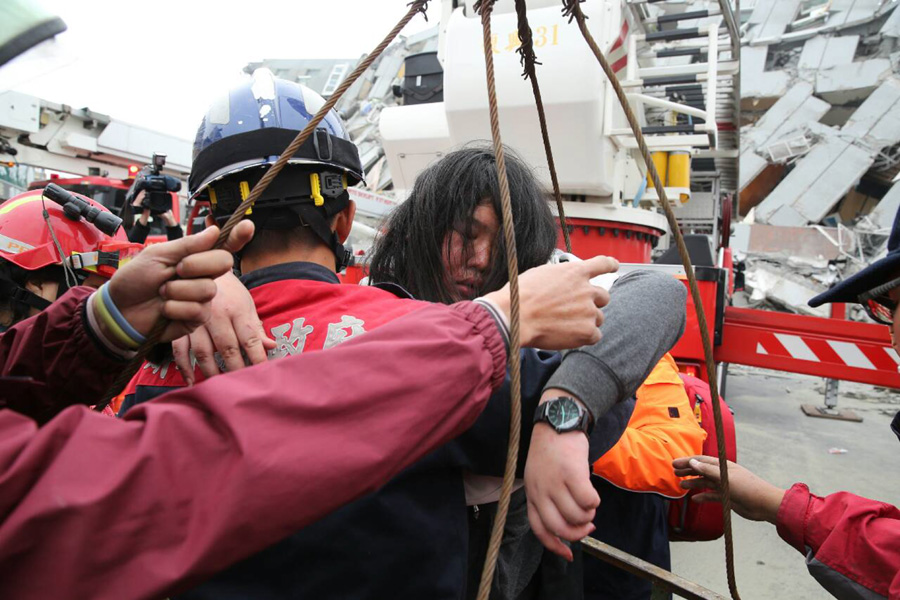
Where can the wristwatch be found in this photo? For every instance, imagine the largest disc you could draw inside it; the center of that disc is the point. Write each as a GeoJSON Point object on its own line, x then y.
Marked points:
{"type": "Point", "coordinates": [563, 414]}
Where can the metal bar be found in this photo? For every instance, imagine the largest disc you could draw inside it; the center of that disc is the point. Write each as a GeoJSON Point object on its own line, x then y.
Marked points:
{"type": "Point", "coordinates": [660, 103]}
{"type": "Point", "coordinates": [687, 89]}
{"type": "Point", "coordinates": [829, 348]}
{"type": "Point", "coordinates": [674, 34]}
{"type": "Point", "coordinates": [693, 69]}
{"type": "Point", "coordinates": [696, 14]}
{"type": "Point", "coordinates": [731, 26]}
{"type": "Point", "coordinates": [631, 68]}
{"type": "Point", "coordinates": [660, 577]}
{"type": "Point", "coordinates": [651, 81]}
{"type": "Point", "coordinates": [681, 52]}
{"type": "Point", "coordinates": [711, 74]}
{"type": "Point", "coordinates": [727, 67]}
{"type": "Point", "coordinates": [626, 140]}
{"type": "Point", "coordinates": [659, 129]}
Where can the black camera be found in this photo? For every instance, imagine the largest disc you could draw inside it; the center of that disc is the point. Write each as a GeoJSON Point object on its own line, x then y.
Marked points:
{"type": "Point", "coordinates": [75, 208]}
{"type": "Point", "coordinates": [157, 187]}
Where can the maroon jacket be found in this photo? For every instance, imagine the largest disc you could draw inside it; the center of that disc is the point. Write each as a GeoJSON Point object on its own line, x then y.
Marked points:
{"type": "Point", "coordinates": [204, 476]}
{"type": "Point", "coordinates": [54, 360]}
{"type": "Point", "coordinates": [852, 544]}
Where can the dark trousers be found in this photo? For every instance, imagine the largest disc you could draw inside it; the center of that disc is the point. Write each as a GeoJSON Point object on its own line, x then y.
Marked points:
{"type": "Point", "coordinates": [524, 570]}
{"type": "Point", "coordinates": [633, 522]}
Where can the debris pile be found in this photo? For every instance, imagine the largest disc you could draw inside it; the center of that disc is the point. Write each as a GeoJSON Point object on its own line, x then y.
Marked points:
{"type": "Point", "coordinates": [820, 144]}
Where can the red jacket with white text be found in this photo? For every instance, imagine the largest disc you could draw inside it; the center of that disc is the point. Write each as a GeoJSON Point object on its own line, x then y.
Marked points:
{"type": "Point", "coordinates": [303, 309]}
{"type": "Point", "coordinates": [852, 544]}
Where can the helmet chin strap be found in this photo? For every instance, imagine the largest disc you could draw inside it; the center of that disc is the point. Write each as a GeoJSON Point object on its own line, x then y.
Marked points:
{"type": "Point", "coordinates": [313, 218]}
{"type": "Point", "coordinates": [19, 295]}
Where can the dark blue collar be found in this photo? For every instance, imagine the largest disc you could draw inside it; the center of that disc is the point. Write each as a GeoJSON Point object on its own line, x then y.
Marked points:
{"type": "Point", "coordinates": [292, 270]}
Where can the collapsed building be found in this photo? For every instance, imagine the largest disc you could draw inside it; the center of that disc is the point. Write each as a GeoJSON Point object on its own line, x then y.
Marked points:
{"type": "Point", "coordinates": [820, 143]}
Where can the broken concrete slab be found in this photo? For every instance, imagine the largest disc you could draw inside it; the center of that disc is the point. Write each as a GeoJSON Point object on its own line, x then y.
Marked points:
{"type": "Point", "coordinates": [882, 216]}
{"type": "Point", "coordinates": [823, 52]}
{"type": "Point", "coordinates": [756, 82]}
{"type": "Point", "coordinates": [847, 13]}
{"type": "Point", "coordinates": [877, 121]}
{"type": "Point", "coordinates": [818, 182]}
{"type": "Point", "coordinates": [890, 33]}
{"type": "Point", "coordinates": [844, 84]}
{"type": "Point", "coordinates": [770, 19]}
{"type": "Point", "coordinates": [797, 247]}
{"type": "Point", "coordinates": [796, 108]}
{"type": "Point", "coordinates": [768, 282]}
{"type": "Point", "coordinates": [751, 165]}
{"type": "Point", "coordinates": [833, 181]}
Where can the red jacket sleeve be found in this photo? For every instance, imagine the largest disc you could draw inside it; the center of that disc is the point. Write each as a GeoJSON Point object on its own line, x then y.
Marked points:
{"type": "Point", "coordinates": [201, 477]}
{"type": "Point", "coordinates": [852, 544]}
{"type": "Point", "coordinates": [57, 351]}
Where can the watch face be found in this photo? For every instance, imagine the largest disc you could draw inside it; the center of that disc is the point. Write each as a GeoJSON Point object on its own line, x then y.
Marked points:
{"type": "Point", "coordinates": [563, 413]}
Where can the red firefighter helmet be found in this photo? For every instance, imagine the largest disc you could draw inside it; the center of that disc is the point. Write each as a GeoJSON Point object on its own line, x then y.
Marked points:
{"type": "Point", "coordinates": [26, 240]}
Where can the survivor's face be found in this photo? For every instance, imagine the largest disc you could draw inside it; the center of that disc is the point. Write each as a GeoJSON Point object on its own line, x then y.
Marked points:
{"type": "Point", "coordinates": [467, 255]}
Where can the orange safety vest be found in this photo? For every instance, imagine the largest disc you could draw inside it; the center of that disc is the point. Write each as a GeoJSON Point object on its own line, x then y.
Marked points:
{"type": "Point", "coordinates": [661, 429]}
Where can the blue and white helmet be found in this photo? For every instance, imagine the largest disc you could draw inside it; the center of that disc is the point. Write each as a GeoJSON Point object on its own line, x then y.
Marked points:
{"type": "Point", "coordinates": [254, 122]}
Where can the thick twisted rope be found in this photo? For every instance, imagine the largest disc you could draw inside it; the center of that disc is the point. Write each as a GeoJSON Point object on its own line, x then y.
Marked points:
{"type": "Point", "coordinates": [417, 6]}
{"type": "Point", "coordinates": [572, 9]}
{"type": "Point", "coordinates": [529, 60]}
{"type": "Point", "coordinates": [515, 363]}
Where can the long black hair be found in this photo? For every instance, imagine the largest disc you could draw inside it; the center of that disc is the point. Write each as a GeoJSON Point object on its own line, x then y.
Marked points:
{"type": "Point", "coordinates": [444, 198]}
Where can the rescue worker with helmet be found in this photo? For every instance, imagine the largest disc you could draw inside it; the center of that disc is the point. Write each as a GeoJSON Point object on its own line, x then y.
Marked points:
{"type": "Point", "coordinates": [302, 221]}
{"type": "Point", "coordinates": [290, 270]}
{"type": "Point", "coordinates": [42, 257]}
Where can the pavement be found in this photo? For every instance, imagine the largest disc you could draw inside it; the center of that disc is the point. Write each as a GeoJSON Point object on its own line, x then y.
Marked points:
{"type": "Point", "coordinates": [778, 442]}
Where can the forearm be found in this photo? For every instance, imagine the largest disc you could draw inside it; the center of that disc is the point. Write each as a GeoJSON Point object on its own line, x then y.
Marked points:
{"type": "Point", "coordinates": [174, 232]}
{"type": "Point", "coordinates": [139, 231]}
{"type": "Point", "coordinates": [244, 459]}
{"type": "Point", "coordinates": [643, 320]}
{"type": "Point", "coordinates": [57, 349]}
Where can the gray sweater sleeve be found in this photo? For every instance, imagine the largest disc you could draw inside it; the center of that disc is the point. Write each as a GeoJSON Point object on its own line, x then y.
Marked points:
{"type": "Point", "coordinates": [643, 320]}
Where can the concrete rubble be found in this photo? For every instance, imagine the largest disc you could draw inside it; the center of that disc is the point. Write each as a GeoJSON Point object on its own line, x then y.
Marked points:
{"type": "Point", "coordinates": [820, 145]}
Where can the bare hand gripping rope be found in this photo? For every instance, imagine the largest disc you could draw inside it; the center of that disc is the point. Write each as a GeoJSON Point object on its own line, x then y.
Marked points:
{"type": "Point", "coordinates": [417, 6]}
